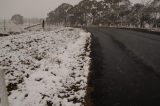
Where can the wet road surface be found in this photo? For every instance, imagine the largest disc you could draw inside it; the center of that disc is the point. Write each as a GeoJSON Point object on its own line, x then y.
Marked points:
{"type": "Point", "coordinates": [125, 69]}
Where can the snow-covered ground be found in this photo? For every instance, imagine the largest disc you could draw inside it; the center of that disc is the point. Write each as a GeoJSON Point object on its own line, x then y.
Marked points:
{"type": "Point", "coordinates": [46, 68]}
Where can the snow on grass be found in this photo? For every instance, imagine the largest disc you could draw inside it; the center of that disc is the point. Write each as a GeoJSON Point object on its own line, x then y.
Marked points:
{"type": "Point", "coordinates": [46, 68]}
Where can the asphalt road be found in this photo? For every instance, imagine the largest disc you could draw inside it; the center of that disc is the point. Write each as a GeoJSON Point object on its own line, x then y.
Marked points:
{"type": "Point", "coordinates": [125, 69]}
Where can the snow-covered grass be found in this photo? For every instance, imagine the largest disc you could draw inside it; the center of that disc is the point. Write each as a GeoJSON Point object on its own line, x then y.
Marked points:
{"type": "Point", "coordinates": [46, 68]}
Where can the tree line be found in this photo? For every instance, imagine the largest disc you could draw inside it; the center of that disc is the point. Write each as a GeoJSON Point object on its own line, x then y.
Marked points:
{"type": "Point", "coordinates": [120, 13]}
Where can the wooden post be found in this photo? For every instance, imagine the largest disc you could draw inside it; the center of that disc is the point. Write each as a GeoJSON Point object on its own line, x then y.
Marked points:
{"type": "Point", "coordinates": [43, 24]}
{"type": "Point", "coordinates": [3, 91]}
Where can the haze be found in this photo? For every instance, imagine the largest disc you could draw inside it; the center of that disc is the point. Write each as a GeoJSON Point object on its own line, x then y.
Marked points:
{"type": "Point", "coordinates": [32, 8]}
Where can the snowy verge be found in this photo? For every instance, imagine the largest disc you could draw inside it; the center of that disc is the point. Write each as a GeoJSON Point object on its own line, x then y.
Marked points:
{"type": "Point", "coordinates": [46, 68]}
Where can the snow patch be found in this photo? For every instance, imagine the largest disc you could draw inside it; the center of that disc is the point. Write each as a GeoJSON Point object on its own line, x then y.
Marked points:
{"type": "Point", "coordinates": [46, 68]}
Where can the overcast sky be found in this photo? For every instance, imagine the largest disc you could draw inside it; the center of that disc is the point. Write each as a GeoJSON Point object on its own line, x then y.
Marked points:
{"type": "Point", "coordinates": [32, 8]}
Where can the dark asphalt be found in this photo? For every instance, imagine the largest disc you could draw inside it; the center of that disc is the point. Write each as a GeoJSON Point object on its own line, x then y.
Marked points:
{"type": "Point", "coordinates": [125, 69]}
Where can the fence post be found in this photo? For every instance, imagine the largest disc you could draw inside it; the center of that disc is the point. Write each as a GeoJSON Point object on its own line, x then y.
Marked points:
{"type": "Point", "coordinates": [3, 91]}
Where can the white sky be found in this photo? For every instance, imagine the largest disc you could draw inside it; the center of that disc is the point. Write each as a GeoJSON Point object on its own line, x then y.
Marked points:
{"type": "Point", "coordinates": [32, 8]}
